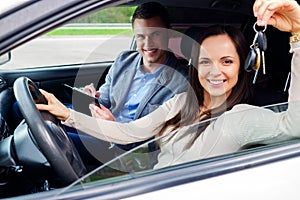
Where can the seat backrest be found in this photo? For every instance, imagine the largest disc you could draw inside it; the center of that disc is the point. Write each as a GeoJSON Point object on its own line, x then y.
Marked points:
{"type": "Point", "coordinates": [188, 39]}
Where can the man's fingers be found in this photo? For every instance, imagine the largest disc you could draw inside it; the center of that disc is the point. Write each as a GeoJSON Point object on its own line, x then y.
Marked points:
{"type": "Point", "coordinates": [97, 95]}
{"type": "Point", "coordinates": [104, 108]}
{"type": "Point", "coordinates": [102, 112]}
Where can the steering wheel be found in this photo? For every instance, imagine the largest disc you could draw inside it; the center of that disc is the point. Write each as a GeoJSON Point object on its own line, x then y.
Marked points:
{"type": "Point", "coordinates": [48, 133]}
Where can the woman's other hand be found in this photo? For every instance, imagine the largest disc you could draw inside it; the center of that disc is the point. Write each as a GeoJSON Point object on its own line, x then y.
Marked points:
{"type": "Point", "coordinates": [54, 106]}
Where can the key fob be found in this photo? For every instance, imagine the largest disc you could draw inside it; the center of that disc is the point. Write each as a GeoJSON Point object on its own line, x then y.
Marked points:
{"type": "Point", "coordinates": [257, 59]}
{"type": "Point", "coordinates": [262, 40]}
{"type": "Point", "coordinates": [250, 60]}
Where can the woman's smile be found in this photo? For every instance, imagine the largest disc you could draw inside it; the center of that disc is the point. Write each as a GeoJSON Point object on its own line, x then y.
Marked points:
{"type": "Point", "coordinates": [216, 82]}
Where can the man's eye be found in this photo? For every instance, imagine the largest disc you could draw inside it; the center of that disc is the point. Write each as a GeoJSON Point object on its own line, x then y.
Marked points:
{"type": "Point", "coordinates": [139, 37]}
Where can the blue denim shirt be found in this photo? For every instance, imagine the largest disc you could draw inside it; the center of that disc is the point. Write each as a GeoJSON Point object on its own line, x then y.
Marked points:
{"type": "Point", "coordinates": [141, 84]}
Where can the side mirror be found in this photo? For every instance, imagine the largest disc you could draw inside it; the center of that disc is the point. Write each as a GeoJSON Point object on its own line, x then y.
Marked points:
{"type": "Point", "coordinates": [5, 58]}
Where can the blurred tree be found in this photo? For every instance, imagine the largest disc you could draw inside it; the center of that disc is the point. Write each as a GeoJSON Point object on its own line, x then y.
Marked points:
{"type": "Point", "coordinates": [110, 15]}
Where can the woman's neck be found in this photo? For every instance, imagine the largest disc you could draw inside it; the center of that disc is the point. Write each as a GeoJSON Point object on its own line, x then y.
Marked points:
{"type": "Point", "coordinates": [213, 102]}
{"type": "Point", "coordinates": [210, 103]}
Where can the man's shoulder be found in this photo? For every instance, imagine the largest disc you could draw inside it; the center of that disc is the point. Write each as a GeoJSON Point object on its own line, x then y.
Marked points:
{"type": "Point", "coordinates": [128, 54]}
{"type": "Point", "coordinates": [126, 60]}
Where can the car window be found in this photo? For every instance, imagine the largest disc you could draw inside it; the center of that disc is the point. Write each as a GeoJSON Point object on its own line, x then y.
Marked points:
{"type": "Point", "coordinates": [138, 161]}
{"type": "Point", "coordinates": [84, 40]}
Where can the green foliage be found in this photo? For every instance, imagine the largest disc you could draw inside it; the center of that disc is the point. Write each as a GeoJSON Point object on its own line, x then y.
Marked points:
{"type": "Point", "coordinates": [110, 15]}
{"type": "Point", "coordinates": [126, 32]}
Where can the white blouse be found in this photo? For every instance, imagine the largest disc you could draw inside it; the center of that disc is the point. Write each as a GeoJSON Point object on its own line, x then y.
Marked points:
{"type": "Point", "coordinates": [242, 125]}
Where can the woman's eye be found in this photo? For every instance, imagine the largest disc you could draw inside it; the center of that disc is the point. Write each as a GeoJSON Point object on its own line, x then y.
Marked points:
{"type": "Point", "coordinates": [204, 62]}
{"type": "Point", "coordinates": [228, 62]}
{"type": "Point", "coordinates": [156, 34]}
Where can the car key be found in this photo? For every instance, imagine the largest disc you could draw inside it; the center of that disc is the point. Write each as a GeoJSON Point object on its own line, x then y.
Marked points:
{"type": "Point", "coordinates": [256, 66]}
{"type": "Point", "coordinates": [257, 63]}
{"type": "Point", "coordinates": [262, 45]}
{"type": "Point", "coordinates": [251, 60]}
{"type": "Point", "coordinates": [256, 55]}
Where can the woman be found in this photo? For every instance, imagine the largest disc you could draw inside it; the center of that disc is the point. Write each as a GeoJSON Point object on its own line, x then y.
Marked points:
{"type": "Point", "coordinates": [214, 92]}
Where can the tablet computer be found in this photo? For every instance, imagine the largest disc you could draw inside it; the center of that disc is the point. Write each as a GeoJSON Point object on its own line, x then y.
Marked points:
{"type": "Point", "coordinates": [81, 100]}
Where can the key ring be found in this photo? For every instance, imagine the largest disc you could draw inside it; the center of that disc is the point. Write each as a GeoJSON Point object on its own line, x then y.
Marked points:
{"type": "Point", "coordinates": [256, 31]}
{"type": "Point", "coordinates": [255, 28]}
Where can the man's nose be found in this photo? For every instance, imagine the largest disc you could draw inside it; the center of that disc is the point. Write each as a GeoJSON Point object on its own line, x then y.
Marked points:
{"type": "Point", "coordinates": [148, 41]}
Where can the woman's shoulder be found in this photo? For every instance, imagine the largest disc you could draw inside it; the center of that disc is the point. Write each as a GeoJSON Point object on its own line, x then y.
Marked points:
{"type": "Point", "coordinates": [178, 98]}
{"type": "Point", "coordinates": [174, 104]}
{"type": "Point", "coordinates": [242, 107]}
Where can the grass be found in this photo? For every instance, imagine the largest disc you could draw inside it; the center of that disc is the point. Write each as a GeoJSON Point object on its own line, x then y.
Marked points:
{"type": "Point", "coordinates": [90, 32]}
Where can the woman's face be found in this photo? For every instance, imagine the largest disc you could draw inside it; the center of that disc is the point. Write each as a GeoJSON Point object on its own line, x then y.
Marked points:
{"type": "Point", "coordinates": [218, 66]}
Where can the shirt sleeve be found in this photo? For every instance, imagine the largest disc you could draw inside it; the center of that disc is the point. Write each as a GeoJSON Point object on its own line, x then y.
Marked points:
{"type": "Point", "coordinates": [124, 133]}
{"type": "Point", "coordinates": [261, 125]}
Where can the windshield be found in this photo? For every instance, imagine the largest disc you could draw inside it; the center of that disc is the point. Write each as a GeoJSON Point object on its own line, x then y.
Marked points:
{"type": "Point", "coordinates": [138, 162]}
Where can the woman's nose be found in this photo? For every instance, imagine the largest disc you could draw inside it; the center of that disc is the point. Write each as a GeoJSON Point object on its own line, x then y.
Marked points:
{"type": "Point", "coordinates": [215, 69]}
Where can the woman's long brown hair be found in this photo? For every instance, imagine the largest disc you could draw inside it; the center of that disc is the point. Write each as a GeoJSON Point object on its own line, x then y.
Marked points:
{"type": "Point", "coordinates": [241, 92]}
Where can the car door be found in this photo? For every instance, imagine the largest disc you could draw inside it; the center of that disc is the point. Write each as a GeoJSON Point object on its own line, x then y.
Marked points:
{"type": "Point", "coordinates": [34, 49]}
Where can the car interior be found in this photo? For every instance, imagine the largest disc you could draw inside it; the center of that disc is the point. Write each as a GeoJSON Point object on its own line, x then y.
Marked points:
{"type": "Point", "coordinates": [188, 18]}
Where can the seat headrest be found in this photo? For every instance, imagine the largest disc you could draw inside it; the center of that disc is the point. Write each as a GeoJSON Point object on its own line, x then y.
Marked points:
{"type": "Point", "coordinates": [188, 38]}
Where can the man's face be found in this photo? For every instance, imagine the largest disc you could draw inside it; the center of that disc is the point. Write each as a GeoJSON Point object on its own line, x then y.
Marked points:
{"type": "Point", "coordinates": [152, 39]}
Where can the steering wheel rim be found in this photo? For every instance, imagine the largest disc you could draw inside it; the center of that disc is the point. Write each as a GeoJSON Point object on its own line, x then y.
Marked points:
{"type": "Point", "coordinates": [49, 136]}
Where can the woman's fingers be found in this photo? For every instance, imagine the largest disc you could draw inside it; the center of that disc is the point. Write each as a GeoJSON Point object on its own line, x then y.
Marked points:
{"type": "Point", "coordinates": [54, 106]}
{"type": "Point", "coordinates": [42, 106]}
{"type": "Point", "coordinates": [264, 10]}
{"type": "Point", "coordinates": [282, 14]}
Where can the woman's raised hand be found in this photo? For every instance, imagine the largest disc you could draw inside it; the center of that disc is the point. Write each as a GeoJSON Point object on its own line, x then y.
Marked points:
{"type": "Point", "coordinates": [282, 14]}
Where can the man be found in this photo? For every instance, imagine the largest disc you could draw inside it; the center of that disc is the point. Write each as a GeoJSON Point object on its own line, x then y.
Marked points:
{"type": "Point", "coordinates": [139, 81]}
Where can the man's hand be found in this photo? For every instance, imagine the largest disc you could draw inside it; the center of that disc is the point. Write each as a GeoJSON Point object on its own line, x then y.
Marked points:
{"type": "Point", "coordinates": [90, 89]}
{"type": "Point", "coordinates": [102, 112]}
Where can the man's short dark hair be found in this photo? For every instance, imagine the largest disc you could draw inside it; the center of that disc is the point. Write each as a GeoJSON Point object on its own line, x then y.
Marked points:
{"type": "Point", "coordinates": [152, 9]}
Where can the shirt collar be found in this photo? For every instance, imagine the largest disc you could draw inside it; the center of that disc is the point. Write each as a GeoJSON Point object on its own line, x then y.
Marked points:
{"type": "Point", "coordinates": [157, 71]}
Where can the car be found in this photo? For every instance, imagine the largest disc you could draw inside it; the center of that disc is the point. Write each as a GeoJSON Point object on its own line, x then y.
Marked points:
{"type": "Point", "coordinates": [38, 162]}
